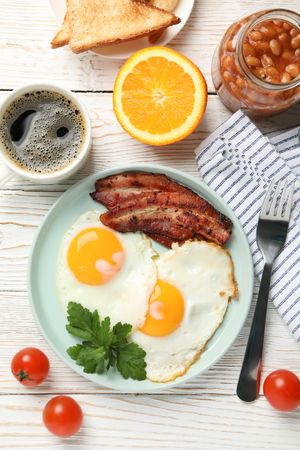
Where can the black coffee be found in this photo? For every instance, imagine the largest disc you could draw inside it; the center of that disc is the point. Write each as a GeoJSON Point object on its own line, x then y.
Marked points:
{"type": "Point", "coordinates": [42, 131]}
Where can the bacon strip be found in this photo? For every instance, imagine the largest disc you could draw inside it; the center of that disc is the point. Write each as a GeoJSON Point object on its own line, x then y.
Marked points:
{"type": "Point", "coordinates": [139, 180]}
{"type": "Point", "coordinates": [165, 210]}
{"type": "Point", "coordinates": [116, 189]}
{"type": "Point", "coordinates": [172, 221]}
{"type": "Point", "coordinates": [153, 221]}
{"type": "Point", "coordinates": [112, 197]}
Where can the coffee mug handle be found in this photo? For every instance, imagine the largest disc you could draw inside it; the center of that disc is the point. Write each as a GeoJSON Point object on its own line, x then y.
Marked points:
{"type": "Point", "coordinates": [5, 175]}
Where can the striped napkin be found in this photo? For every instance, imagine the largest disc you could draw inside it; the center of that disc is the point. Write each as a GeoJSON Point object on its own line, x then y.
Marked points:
{"type": "Point", "coordinates": [238, 162]}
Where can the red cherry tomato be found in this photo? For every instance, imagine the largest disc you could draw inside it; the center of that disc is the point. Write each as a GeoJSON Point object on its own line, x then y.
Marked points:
{"type": "Point", "coordinates": [30, 366]}
{"type": "Point", "coordinates": [282, 390]}
{"type": "Point", "coordinates": [62, 416]}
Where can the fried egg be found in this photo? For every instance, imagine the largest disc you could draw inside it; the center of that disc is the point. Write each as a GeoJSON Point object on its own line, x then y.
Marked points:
{"type": "Point", "coordinates": [187, 305]}
{"type": "Point", "coordinates": [106, 270]}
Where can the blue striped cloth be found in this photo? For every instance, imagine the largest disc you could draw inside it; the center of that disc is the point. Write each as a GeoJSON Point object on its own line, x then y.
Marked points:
{"type": "Point", "coordinates": [237, 161]}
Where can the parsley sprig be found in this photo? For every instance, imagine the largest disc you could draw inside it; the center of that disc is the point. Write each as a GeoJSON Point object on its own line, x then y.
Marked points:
{"type": "Point", "coordinates": [103, 347]}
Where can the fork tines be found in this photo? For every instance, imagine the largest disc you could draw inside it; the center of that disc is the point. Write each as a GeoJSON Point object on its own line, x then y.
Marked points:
{"type": "Point", "coordinates": [278, 201]}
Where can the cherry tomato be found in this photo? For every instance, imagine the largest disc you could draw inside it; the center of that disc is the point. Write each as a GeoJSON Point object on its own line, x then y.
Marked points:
{"type": "Point", "coordinates": [30, 366]}
{"type": "Point", "coordinates": [282, 390]}
{"type": "Point", "coordinates": [62, 416]}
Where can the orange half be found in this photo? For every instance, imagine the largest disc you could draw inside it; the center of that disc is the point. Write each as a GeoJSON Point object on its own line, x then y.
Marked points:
{"type": "Point", "coordinates": [159, 96]}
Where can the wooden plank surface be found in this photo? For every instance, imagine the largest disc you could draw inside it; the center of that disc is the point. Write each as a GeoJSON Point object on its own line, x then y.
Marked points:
{"type": "Point", "coordinates": [144, 422]}
{"type": "Point", "coordinates": [27, 27]}
{"type": "Point", "coordinates": [203, 413]}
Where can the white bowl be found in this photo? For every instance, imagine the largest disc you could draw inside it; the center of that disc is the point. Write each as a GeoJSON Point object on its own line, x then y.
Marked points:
{"type": "Point", "coordinates": [123, 51]}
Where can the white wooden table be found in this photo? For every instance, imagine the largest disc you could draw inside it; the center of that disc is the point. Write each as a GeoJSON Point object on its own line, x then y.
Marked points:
{"type": "Point", "coordinates": [201, 414]}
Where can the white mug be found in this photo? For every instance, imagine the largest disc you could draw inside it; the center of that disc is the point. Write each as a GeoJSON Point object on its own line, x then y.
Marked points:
{"type": "Point", "coordinates": [8, 169]}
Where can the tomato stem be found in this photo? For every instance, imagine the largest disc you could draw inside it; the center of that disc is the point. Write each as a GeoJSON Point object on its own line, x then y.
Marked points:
{"type": "Point", "coordinates": [22, 375]}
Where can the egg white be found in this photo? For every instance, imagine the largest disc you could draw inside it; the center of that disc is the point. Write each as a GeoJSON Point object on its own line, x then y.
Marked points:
{"type": "Point", "coordinates": [125, 297]}
{"type": "Point", "coordinates": [203, 273]}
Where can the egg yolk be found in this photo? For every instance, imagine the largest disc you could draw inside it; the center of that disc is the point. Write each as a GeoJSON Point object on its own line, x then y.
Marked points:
{"type": "Point", "coordinates": [165, 312]}
{"type": "Point", "coordinates": [95, 255]}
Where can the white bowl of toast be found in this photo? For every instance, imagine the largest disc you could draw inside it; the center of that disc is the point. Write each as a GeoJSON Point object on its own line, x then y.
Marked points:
{"type": "Point", "coordinates": [116, 29]}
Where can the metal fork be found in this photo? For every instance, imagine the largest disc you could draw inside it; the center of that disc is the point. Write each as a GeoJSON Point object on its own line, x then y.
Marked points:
{"type": "Point", "coordinates": [271, 234]}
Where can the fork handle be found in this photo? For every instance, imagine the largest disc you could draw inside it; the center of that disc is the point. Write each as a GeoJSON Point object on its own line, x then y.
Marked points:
{"type": "Point", "coordinates": [249, 380]}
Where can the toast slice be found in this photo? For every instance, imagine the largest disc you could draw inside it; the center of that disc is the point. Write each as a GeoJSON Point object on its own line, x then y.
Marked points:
{"type": "Point", "coordinates": [167, 5]}
{"type": "Point", "coordinates": [63, 36]}
{"type": "Point", "coordinates": [96, 23]}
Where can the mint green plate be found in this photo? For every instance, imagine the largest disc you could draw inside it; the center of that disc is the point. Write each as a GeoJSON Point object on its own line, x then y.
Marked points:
{"type": "Point", "coordinates": [42, 268]}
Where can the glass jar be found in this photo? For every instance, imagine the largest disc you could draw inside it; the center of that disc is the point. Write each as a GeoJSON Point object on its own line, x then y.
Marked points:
{"type": "Point", "coordinates": [256, 67]}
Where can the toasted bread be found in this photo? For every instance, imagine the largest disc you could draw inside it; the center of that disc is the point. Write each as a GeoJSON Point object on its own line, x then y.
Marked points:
{"type": "Point", "coordinates": [63, 36]}
{"type": "Point", "coordinates": [167, 5]}
{"type": "Point", "coordinates": [96, 23]}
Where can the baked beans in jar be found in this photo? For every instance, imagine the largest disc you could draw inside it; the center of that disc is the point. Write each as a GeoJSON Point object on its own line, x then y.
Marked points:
{"type": "Point", "coordinates": [257, 64]}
